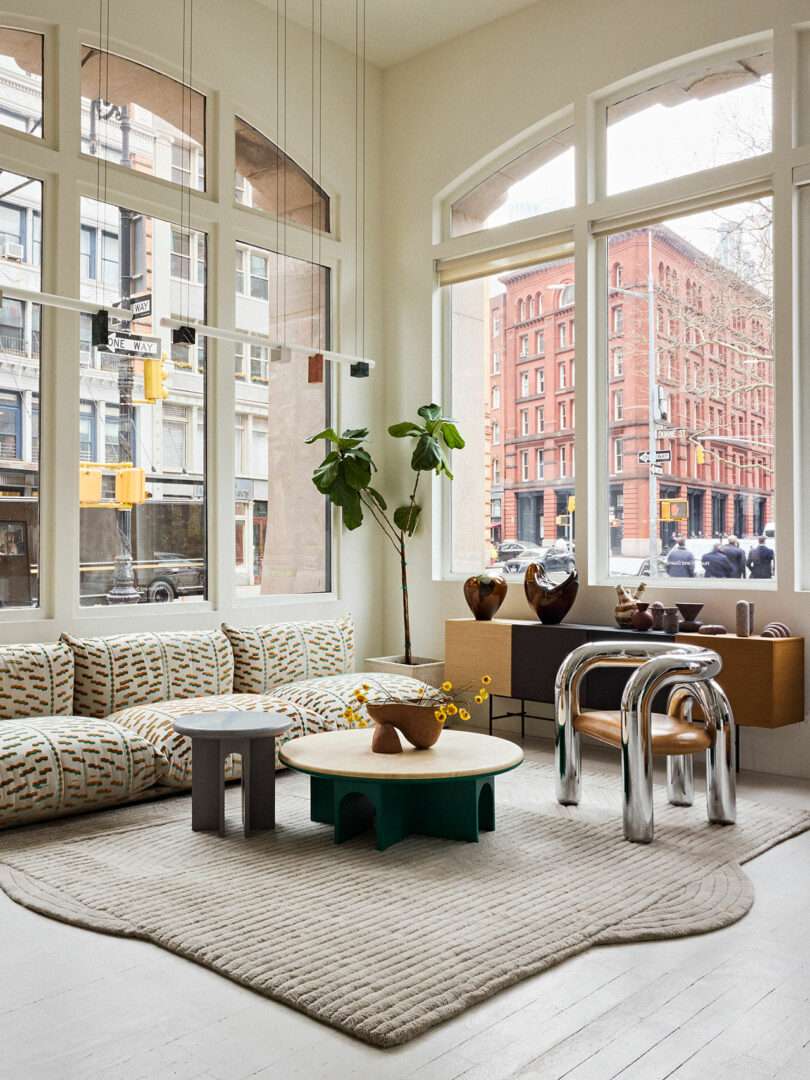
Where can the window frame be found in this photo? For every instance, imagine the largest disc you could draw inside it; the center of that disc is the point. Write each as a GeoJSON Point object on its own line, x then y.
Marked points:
{"type": "Point", "coordinates": [589, 223]}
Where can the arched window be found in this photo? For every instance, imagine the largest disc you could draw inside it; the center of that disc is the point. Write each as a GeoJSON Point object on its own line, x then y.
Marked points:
{"type": "Point", "coordinates": [530, 307]}
{"type": "Point", "coordinates": [538, 304]}
{"type": "Point", "coordinates": [520, 307]}
{"type": "Point", "coordinates": [567, 296]}
{"type": "Point", "coordinates": [617, 275]}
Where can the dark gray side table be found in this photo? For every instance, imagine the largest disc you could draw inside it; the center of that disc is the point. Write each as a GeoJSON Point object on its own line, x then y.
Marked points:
{"type": "Point", "coordinates": [213, 736]}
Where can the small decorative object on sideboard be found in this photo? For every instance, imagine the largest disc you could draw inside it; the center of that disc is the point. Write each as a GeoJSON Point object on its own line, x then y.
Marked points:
{"type": "Point", "coordinates": [641, 619]}
{"type": "Point", "coordinates": [776, 630]}
{"type": "Point", "coordinates": [671, 620]}
{"type": "Point", "coordinates": [657, 613]}
{"type": "Point", "coordinates": [484, 594]}
{"type": "Point", "coordinates": [713, 628]}
{"type": "Point", "coordinates": [550, 602]}
{"type": "Point", "coordinates": [626, 605]}
{"type": "Point", "coordinates": [744, 624]}
{"type": "Point", "coordinates": [690, 624]}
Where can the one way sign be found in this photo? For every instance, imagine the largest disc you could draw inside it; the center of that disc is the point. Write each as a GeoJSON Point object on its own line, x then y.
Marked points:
{"type": "Point", "coordinates": [648, 457]}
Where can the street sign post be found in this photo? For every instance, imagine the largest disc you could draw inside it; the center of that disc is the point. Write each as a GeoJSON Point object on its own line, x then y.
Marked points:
{"type": "Point", "coordinates": [134, 345]}
{"type": "Point", "coordinates": [650, 457]}
{"type": "Point", "coordinates": [141, 306]}
{"type": "Point", "coordinates": [656, 470]}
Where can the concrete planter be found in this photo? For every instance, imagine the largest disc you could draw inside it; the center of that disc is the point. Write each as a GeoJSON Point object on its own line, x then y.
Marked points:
{"type": "Point", "coordinates": [429, 671]}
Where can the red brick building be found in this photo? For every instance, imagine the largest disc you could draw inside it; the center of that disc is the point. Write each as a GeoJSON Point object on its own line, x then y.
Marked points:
{"type": "Point", "coordinates": [713, 393]}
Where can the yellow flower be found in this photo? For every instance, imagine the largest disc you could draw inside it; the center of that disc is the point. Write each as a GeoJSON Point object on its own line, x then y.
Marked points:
{"type": "Point", "coordinates": [478, 699]}
{"type": "Point", "coordinates": [447, 686]}
{"type": "Point", "coordinates": [486, 679]}
{"type": "Point", "coordinates": [360, 696]}
{"type": "Point", "coordinates": [347, 713]}
{"type": "Point", "coordinates": [366, 686]}
{"type": "Point", "coordinates": [437, 714]}
{"type": "Point", "coordinates": [363, 723]}
{"type": "Point", "coordinates": [463, 714]}
{"type": "Point", "coordinates": [451, 709]}
{"type": "Point", "coordinates": [483, 693]}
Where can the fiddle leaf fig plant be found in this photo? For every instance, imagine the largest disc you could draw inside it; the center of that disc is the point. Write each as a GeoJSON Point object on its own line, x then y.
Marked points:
{"type": "Point", "coordinates": [345, 476]}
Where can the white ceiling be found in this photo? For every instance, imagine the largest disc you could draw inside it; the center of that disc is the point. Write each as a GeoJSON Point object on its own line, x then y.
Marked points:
{"type": "Point", "coordinates": [398, 29]}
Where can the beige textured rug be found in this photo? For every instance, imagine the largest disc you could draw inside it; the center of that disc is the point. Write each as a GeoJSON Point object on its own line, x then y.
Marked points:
{"type": "Point", "coordinates": [383, 945]}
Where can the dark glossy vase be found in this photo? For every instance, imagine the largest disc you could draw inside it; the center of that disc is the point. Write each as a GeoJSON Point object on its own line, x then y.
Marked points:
{"type": "Point", "coordinates": [550, 602]}
{"type": "Point", "coordinates": [641, 619]}
{"type": "Point", "coordinates": [484, 594]}
{"type": "Point", "coordinates": [690, 624]}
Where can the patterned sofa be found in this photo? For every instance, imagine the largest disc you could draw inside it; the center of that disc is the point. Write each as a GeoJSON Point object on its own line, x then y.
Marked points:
{"type": "Point", "coordinates": [88, 722]}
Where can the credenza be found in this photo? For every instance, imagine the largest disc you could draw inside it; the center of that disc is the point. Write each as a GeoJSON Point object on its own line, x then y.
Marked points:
{"type": "Point", "coordinates": [763, 677]}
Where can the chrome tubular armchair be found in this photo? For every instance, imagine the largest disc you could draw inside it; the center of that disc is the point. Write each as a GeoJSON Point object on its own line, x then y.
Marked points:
{"type": "Point", "coordinates": [689, 671]}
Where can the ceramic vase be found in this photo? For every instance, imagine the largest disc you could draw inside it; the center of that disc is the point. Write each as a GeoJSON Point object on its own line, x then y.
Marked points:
{"type": "Point", "coordinates": [690, 623]}
{"type": "Point", "coordinates": [417, 723]}
{"type": "Point", "coordinates": [670, 623]}
{"type": "Point", "coordinates": [641, 619]}
{"type": "Point", "coordinates": [484, 594]}
{"type": "Point", "coordinates": [550, 602]}
{"type": "Point", "coordinates": [657, 613]}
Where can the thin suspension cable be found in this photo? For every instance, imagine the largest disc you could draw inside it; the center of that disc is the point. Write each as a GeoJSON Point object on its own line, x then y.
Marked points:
{"type": "Point", "coordinates": [363, 208]}
{"type": "Point", "coordinates": [284, 189]}
{"type": "Point", "coordinates": [276, 258]}
{"type": "Point", "coordinates": [321, 299]}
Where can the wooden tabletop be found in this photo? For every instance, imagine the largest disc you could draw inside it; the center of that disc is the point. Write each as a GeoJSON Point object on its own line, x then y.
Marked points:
{"type": "Point", "coordinates": [232, 725]}
{"type": "Point", "coordinates": [348, 753]}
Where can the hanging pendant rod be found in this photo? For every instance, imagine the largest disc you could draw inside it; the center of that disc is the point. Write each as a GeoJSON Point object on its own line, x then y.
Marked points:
{"type": "Point", "coordinates": [245, 337]}
{"type": "Point", "coordinates": [66, 303]}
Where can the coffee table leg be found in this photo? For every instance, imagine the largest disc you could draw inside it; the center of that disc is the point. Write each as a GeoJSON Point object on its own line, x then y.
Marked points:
{"type": "Point", "coordinates": [207, 786]}
{"type": "Point", "coordinates": [259, 785]}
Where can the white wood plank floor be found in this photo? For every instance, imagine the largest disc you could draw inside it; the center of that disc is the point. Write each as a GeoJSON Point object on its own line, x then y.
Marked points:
{"type": "Point", "coordinates": [734, 1004]}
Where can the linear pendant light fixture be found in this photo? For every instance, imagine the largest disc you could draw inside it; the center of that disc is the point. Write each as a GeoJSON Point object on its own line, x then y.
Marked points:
{"type": "Point", "coordinates": [65, 303]}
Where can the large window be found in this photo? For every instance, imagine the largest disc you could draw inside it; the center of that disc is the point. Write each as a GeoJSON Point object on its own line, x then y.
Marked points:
{"type": "Point", "coordinates": [282, 527]}
{"type": "Point", "coordinates": [693, 430]}
{"type": "Point", "coordinates": [268, 180]}
{"type": "Point", "coordinates": [141, 119]}
{"type": "Point", "coordinates": [712, 115]}
{"type": "Point", "coordinates": [20, 351]}
{"type": "Point", "coordinates": [21, 82]}
{"type": "Point", "coordinates": [525, 467]}
{"type": "Point", "coordinates": [161, 539]}
{"type": "Point", "coordinates": [533, 182]}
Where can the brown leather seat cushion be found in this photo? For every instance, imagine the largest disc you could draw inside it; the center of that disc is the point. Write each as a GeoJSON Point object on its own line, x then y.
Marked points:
{"type": "Point", "coordinates": [669, 735]}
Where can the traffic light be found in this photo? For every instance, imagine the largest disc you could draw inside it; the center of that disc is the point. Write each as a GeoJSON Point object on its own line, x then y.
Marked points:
{"type": "Point", "coordinates": [154, 380]}
{"type": "Point", "coordinates": [700, 455]}
{"type": "Point", "coordinates": [572, 503]}
{"type": "Point", "coordinates": [89, 486]}
{"type": "Point", "coordinates": [674, 510]}
{"type": "Point", "coordinates": [130, 486]}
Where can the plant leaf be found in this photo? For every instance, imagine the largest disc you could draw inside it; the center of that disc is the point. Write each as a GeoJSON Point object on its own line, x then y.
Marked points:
{"type": "Point", "coordinates": [452, 436]}
{"type": "Point", "coordinates": [377, 497]}
{"type": "Point", "coordinates": [325, 475]}
{"type": "Point", "coordinates": [327, 433]}
{"type": "Point", "coordinates": [356, 472]}
{"type": "Point", "coordinates": [427, 454]}
{"type": "Point", "coordinates": [406, 518]}
{"type": "Point", "coordinates": [355, 433]}
{"type": "Point", "coordinates": [403, 430]}
{"type": "Point", "coordinates": [430, 412]}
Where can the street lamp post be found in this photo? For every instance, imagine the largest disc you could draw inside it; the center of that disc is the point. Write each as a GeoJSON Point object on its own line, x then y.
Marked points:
{"type": "Point", "coordinates": [123, 590]}
{"type": "Point", "coordinates": [652, 399]}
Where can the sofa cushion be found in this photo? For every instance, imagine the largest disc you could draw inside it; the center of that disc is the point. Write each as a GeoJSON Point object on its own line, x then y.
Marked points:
{"type": "Point", "coordinates": [54, 765]}
{"type": "Point", "coordinates": [113, 673]}
{"type": "Point", "coordinates": [329, 697]}
{"type": "Point", "coordinates": [267, 656]}
{"type": "Point", "coordinates": [36, 680]}
{"type": "Point", "coordinates": [155, 723]}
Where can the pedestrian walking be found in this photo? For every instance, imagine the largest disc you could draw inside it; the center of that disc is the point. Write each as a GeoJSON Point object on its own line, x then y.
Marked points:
{"type": "Point", "coordinates": [735, 555]}
{"type": "Point", "coordinates": [715, 563]}
{"type": "Point", "coordinates": [680, 560]}
{"type": "Point", "coordinates": [761, 559]}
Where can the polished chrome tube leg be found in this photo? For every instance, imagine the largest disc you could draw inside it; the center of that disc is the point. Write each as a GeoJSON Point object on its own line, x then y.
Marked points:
{"type": "Point", "coordinates": [637, 760]}
{"type": "Point", "coordinates": [680, 779]}
{"type": "Point", "coordinates": [567, 746]}
{"type": "Point", "coordinates": [721, 759]}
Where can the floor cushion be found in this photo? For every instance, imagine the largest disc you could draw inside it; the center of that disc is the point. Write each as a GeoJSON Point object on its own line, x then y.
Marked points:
{"type": "Point", "coordinates": [329, 697]}
{"type": "Point", "coordinates": [54, 765]}
{"type": "Point", "coordinates": [155, 723]}
{"type": "Point", "coordinates": [268, 656]}
{"type": "Point", "coordinates": [112, 673]}
{"type": "Point", "coordinates": [36, 680]}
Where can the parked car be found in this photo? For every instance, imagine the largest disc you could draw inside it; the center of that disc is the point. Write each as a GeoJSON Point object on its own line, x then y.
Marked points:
{"type": "Point", "coordinates": [553, 560]}
{"type": "Point", "coordinates": [516, 549]}
{"type": "Point", "coordinates": [170, 576]}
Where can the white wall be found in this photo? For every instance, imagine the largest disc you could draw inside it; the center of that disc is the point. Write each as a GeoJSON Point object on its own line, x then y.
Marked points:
{"type": "Point", "coordinates": [234, 64]}
{"type": "Point", "coordinates": [446, 109]}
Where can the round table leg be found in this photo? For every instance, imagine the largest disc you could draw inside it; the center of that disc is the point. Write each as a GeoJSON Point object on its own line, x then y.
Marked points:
{"type": "Point", "coordinates": [207, 786]}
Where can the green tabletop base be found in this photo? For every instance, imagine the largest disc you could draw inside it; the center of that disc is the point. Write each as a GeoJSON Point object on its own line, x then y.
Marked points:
{"type": "Point", "coordinates": [456, 809]}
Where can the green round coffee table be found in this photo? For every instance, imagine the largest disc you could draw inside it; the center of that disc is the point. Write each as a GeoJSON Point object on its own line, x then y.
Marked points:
{"type": "Point", "coordinates": [446, 791]}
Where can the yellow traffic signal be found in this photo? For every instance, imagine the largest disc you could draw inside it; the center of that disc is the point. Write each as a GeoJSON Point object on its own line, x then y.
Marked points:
{"type": "Point", "coordinates": [154, 380]}
{"type": "Point", "coordinates": [89, 486]}
{"type": "Point", "coordinates": [572, 503]}
{"type": "Point", "coordinates": [130, 487]}
{"type": "Point", "coordinates": [674, 510]}
{"type": "Point", "coordinates": [700, 455]}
